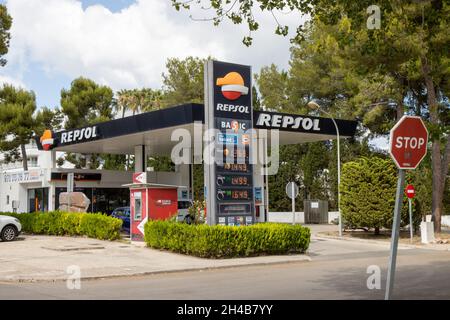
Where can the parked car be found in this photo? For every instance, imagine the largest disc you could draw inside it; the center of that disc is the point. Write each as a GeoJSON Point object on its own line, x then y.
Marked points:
{"type": "Point", "coordinates": [10, 228]}
{"type": "Point", "coordinates": [183, 211]}
{"type": "Point", "coordinates": [123, 213]}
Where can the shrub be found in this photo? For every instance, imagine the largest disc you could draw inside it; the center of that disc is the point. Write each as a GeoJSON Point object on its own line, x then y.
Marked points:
{"type": "Point", "coordinates": [368, 188]}
{"type": "Point", "coordinates": [226, 241]}
{"type": "Point", "coordinates": [94, 225]}
{"type": "Point", "coordinates": [100, 226]}
{"type": "Point", "coordinates": [197, 212]}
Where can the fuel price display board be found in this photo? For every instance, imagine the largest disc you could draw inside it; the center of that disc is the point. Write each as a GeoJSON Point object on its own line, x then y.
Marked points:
{"type": "Point", "coordinates": [230, 180]}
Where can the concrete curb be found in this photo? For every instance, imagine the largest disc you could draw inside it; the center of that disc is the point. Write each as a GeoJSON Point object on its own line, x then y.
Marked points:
{"type": "Point", "coordinates": [305, 258]}
{"type": "Point", "coordinates": [378, 242]}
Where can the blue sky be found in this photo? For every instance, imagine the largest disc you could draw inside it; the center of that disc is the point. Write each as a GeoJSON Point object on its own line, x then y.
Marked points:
{"type": "Point", "coordinates": [113, 5]}
{"type": "Point", "coordinates": [47, 87]}
{"type": "Point", "coordinates": [122, 43]}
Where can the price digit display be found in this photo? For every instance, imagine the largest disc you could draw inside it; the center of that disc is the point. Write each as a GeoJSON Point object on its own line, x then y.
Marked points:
{"type": "Point", "coordinates": [234, 167]}
{"type": "Point", "coordinates": [235, 194]}
{"type": "Point", "coordinates": [233, 180]}
{"type": "Point", "coordinates": [239, 181]}
{"type": "Point", "coordinates": [239, 194]}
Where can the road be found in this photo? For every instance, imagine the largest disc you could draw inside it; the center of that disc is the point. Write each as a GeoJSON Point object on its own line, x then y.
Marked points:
{"type": "Point", "coordinates": [338, 270]}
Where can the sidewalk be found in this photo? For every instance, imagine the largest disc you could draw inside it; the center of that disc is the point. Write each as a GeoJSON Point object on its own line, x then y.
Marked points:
{"type": "Point", "coordinates": [46, 258]}
{"type": "Point", "coordinates": [429, 246]}
{"type": "Point", "coordinates": [319, 231]}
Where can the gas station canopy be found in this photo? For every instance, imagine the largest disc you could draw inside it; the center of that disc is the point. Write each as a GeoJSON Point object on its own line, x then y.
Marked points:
{"type": "Point", "coordinates": [154, 129]}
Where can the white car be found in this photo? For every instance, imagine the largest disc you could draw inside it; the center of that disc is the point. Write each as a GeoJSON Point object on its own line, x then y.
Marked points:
{"type": "Point", "coordinates": [10, 228]}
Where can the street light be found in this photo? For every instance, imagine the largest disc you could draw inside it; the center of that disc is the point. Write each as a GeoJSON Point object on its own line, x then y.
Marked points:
{"type": "Point", "coordinates": [314, 105]}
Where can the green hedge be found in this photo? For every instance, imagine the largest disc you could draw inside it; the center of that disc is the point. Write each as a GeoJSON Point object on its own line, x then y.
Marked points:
{"type": "Point", "coordinates": [94, 225]}
{"type": "Point", "coordinates": [224, 241]}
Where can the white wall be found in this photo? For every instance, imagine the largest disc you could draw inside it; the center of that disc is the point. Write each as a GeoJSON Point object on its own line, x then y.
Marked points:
{"type": "Point", "coordinates": [332, 215]}
{"type": "Point", "coordinates": [286, 217]}
{"type": "Point", "coordinates": [17, 191]}
{"type": "Point", "coordinates": [445, 221]}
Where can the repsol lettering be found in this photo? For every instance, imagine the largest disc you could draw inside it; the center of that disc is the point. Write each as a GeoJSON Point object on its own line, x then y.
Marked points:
{"type": "Point", "coordinates": [232, 108]}
{"type": "Point", "coordinates": [281, 121]}
{"type": "Point", "coordinates": [79, 135]}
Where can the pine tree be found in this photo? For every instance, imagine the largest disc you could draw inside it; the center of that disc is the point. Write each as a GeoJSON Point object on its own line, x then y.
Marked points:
{"type": "Point", "coordinates": [16, 121]}
{"type": "Point", "coordinates": [368, 189]}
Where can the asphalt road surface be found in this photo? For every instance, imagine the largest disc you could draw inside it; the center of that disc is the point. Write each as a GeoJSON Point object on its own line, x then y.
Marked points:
{"type": "Point", "coordinates": [338, 270]}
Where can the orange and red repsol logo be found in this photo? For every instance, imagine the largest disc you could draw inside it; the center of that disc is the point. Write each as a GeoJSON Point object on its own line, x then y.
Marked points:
{"type": "Point", "coordinates": [232, 85]}
{"type": "Point", "coordinates": [47, 139]}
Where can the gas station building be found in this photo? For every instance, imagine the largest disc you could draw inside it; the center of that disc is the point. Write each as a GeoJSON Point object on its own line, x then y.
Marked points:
{"type": "Point", "coordinates": [149, 134]}
{"type": "Point", "coordinates": [236, 192]}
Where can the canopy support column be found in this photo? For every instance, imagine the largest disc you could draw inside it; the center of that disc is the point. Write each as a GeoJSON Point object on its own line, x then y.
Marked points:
{"type": "Point", "coordinates": [140, 158]}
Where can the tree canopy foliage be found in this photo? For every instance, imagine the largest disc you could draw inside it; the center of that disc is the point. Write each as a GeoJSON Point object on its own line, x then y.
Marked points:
{"type": "Point", "coordinates": [86, 103]}
{"type": "Point", "coordinates": [361, 61]}
{"type": "Point", "coordinates": [16, 122]}
{"type": "Point", "coordinates": [5, 36]}
{"type": "Point", "coordinates": [368, 194]}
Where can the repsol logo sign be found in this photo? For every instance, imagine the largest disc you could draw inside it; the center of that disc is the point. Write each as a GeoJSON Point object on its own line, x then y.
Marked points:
{"type": "Point", "coordinates": [292, 122]}
{"type": "Point", "coordinates": [232, 108]}
{"type": "Point", "coordinates": [79, 135]}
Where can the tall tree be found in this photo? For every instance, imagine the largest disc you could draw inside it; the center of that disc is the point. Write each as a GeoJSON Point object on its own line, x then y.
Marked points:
{"type": "Point", "coordinates": [47, 118]}
{"type": "Point", "coordinates": [140, 100]}
{"type": "Point", "coordinates": [313, 164]}
{"type": "Point", "coordinates": [83, 104]}
{"type": "Point", "coordinates": [153, 99]}
{"type": "Point", "coordinates": [114, 162]}
{"type": "Point", "coordinates": [122, 101]}
{"type": "Point", "coordinates": [372, 71]}
{"type": "Point", "coordinates": [183, 80]}
{"type": "Point", "coordinates": [86, 103]}
{"type": "Point", "coordinates": [409, 51]}
{"type": "Point", "coordinates": [289, 170]}
{"type": "Point", "coordinates": [275, 95]}
{"type": "Point", "coordinates": [16, 121]}
{"type": "Point", "coordinates": [5, 36]}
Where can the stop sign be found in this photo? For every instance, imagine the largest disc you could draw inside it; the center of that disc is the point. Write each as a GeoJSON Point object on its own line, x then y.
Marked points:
{"type": "Point", "coordinates": [410, 192]}
{"type": "Point", "coordinates": [408, 142]}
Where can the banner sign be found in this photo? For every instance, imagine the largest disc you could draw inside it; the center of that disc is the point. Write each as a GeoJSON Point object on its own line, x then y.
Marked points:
{"type": "Point", "coordinates": [62, 176]}
{"type": "Point", "coordinates": [50, 140]}
{"type": "Point", "coordinates": [24, 176]}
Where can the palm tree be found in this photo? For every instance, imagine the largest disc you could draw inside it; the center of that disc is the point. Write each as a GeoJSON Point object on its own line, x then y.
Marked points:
{"type": "Point", "coordinates": [122, 101]}
{"type": "Point", "coordinates": [152, 99]}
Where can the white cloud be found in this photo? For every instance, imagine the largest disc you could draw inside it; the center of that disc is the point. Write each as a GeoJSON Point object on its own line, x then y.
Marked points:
{"type": "Point", "coordinates": [11, 81]}
{"type": "Point", "coordinates": [129, 48]}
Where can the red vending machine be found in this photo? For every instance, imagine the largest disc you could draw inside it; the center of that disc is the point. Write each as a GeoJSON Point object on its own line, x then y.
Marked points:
{"type": "Point", "coordinates": [149, 201]}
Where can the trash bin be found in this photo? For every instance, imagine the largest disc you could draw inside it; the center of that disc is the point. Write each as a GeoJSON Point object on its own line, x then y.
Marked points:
{"type": "Point", "coordinates": [316, 211]}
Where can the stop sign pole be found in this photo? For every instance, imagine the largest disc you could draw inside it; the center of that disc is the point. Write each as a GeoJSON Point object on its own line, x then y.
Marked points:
{"type": "Point", "coordinates": [407, 147]}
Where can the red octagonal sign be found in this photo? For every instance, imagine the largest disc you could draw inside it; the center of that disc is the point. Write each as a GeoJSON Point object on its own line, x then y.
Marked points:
{"type": "Point", "coordinates": [410, 191]}
{"type": "Point", "coordinates": [408, 142]}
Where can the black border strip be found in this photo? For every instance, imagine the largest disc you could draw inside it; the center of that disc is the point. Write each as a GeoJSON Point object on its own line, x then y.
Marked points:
{"type": "Point", "coordinates": [186, 114]}
{"type": "Point", "coordinates": [347, 128]}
